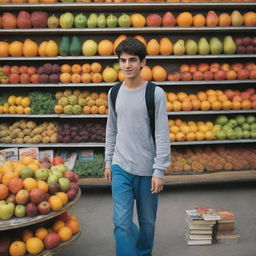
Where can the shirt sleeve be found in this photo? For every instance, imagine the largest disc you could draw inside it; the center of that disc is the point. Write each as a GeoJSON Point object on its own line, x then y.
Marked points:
{"type": "Point", "coordinates": [162, 139]}
{"type": "Point", "coordinates": [111, 131]}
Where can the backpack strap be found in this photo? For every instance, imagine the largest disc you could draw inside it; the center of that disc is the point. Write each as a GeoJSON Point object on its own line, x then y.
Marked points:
{"type": "Point", "coordinates": [150, 102]}
{"type": "Point", "coordinates": [113, 94]}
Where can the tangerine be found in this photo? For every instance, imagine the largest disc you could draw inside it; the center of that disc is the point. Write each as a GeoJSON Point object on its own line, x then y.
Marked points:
{"type": "Point", "coordinates": [58, 224]}
{"type": "Point", "coordinates": [17, 248]}
{"type": "Point", "coordinates": [199, 20]}
{"type": "Point", "coordinates": [73, 225]}
{"type": "Point", "coordinates": [184, 19]}
{"type": "Point", "coordinates": [138, 20]}
{"type": "Point", "coordinates": [65, 233]}
{"type": "Point", "coordinates": [41, 233]}
{"type": "Point", "coordinates": [30, 183]}
{"type": "Point", "coordinates": [55, 203]}
{"type": "Point", "coordinates": [34, 245]}
{"type": "Point", "coordinates": [65, 68]}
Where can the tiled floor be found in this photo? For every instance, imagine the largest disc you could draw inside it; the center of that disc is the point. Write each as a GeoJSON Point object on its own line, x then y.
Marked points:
{"type": "Point", "coordinates": [94, 210]}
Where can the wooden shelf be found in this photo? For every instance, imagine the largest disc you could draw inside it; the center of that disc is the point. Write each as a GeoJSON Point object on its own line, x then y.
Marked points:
{"type": "Point", "coordinates": [187, 178]}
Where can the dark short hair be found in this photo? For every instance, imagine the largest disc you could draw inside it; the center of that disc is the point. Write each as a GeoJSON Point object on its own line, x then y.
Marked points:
{"type": "Point", "coordinates": [131, 46]}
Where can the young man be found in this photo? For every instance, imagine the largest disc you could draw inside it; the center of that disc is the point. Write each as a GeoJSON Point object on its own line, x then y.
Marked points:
{"type": "Point", "coordinates": [135, 162]}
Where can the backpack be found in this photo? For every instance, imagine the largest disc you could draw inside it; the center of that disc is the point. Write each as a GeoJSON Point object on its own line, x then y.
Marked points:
{"type": "Point", "coordinates": [150, 102]}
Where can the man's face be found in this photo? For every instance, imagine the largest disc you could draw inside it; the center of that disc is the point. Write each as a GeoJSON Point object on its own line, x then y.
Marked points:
{"type": "Point", "coordinates": [131, 65]}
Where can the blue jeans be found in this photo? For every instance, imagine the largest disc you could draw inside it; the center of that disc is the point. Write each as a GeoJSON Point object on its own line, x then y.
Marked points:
{"type": "Point", "coordinates": [131, 241]}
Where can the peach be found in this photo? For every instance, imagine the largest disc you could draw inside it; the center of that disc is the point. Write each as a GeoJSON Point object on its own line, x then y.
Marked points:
{"type": "Point", "coordinates": [174, 77]}
{"type": "Point", "coordinates": [245, 95]}
{"type": "Point", "coordinates": [14, 78]}
{"type": "Point", "coordinates": [153, 20]}
{"type": "Point", "coordinates": [231, 75]}
{"type": "Point", "coordinates": [243, 74]}
{"type": "Point", "coordinates": [203, 67]}
{"type": "Point", "coordinates": [192, 68]}
{"type": "Point", "coordinates": [31, 70]}
{"type": "Point", "coordinates": [198, 76]}
{"type": "Point", "coordinates": [15, 69]}
{"type": "Point", "coordinates": [23, 69]}
{"type": "Point", "coordinates": [35, 78]}
{"type": "Point", "coordinates": [220, 75]}
{"type": "Point", "coordinates": [214, 67]}
{"type": "Point", "coordinates": [225, 67]}
{"type": "Point", "coordinates": [184, 68]}
{"type": "Point", "coordinates": [24, 78]}
{"type": "Point", "coordinates": [237, 66]}
{"type": "Point", "coordinates": [6, 69]}
{"type": "Point", "coordinates": [186, 76]}
{"type": "Point", "coordinates": [250, 66]}
{"type": "Point", "coordinates": [252, 74]}
{"type": "Point", "coordinates": [208, 75]}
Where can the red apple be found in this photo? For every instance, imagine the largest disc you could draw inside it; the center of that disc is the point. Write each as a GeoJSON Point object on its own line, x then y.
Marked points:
{"type": "Point", "coordinates": [35, 78]}
{"type": "Point", "coordinates": [252, 74]}
{"type": "Point", "coordinates": [71, 194]}
{"type": "Point", "coordinates": [220, 75]}
{"type": "Point", "coordinates": [174, 77]}
{"type": "Point", "coordinates": [51, 240]}
{"type": "Point", "coordinates": [23, 69]}
{"type": "Point", "coordinates": [251, 91]}
{"type": "Point", "coordinates": [74, 185]}
{"type": "Point", "coordinates": [203, 67]}
{"type": "Point", "coordinates": [186, 76]}
{"type": "Point", "coordinates": [243, 74]}
{"type": "Point", "coordinates": [69, 175]}
{"type": "Point", "coordinates": [64, 217]}
{"type": "Point", "coordinates": [154, 20]}
{"type": "Point", "coordinates": [198, 76]}
{"type": "Point", "coordinates": [237, 66]}
{"type": "Point", "coordinates": [250, 66]}
{"type": "Point", "coordinates": [37, 195]}
{"type": "Point", "coordinates": [14, 78]}
{"type": "Point", "coordinates": [31, 70]}
{"type": "Point", "coordinates": [184, 68]}
{"type": "Point", "coordinates": [231, 75]}
{"type": "Point", "coordinates": [76, 177]}
{"type": "Point", "coordinates": [25, 78]}
{"type": "Point", "coordinates": [6, 69]}
{"type": "Point", "coordinates": [15, 69]}
{"type": "Point", "coordinates": [192, 68]}
{"type": "Point", "coordinates": [22, 197]}
{"type": "Point", "coordinates": [31, 209]}
{"type": "Point", "coordinates": [208, 75]}
{"type": "Point", "coordinates": [46, 196]}
{"type": "Point", "coordinates": [44, 207]}
{"type": "Point", "coordinates": [214, 67]}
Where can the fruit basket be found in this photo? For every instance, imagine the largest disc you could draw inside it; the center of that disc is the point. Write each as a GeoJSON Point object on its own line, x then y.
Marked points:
{"type": "Point", "coordinates": [27, 221]}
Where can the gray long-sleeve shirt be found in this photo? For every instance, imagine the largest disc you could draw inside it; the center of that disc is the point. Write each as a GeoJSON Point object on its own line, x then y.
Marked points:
{"type": "Point", "coordinates": [129, 141]}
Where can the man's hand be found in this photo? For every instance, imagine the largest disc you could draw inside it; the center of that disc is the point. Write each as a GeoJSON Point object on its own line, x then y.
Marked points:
{"type": "Point", "coordinates": [157, 185]}
{"type": "Point", "coordinates": [107, 174]}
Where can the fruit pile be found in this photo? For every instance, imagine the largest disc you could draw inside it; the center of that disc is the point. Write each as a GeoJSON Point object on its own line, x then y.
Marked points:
{"type": "Point", "coordinates": [79, 133]}
{"type": "Point", "coordinates": [34, 239]}
{"type": "Point", "coordinates": [246, 45]}
{"type": "Point", "coordinates": [24, 131]}
{"type": "Point", "coordinates": [29, 48]}
{"type": "Point", "coordinates": [239, 127]}
{"type": "Point", "coordinates": [212, 100]}
{"type": "Point", "coordinates": [28, 190]}
{"type": "Point", "coordinates": [67, 20]}
{"type": "Point", "coordinates": [77, 102]}
{"type": "Point", "coordinates": [49, 73]}
{"type": "Point", "coordinates": [15, 105]}
{"type": "Point", "coordinates": [214, 71]}
{"type": "Point", "coordinates": [190, 131]}
{"type": "Point", "coordinates": [87, 73]}
{"type": "Point", "coordinates": [200, 159]}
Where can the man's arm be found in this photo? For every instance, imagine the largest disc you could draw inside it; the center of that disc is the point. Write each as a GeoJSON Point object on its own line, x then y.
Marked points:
{"type": "Point", "coordinates": [111, 131]}
{"type": "Point", "coordinates": [162, 140]}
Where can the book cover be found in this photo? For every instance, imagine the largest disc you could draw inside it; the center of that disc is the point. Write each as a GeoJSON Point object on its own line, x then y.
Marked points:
{"type": "Point", "coordinates": [86, 155]}
{"type": "Point", "coordinates": [8, 154]}
{"type": "Point", "coordinates": [192, 216]}
{"type": "Point", "coordinates": [23, 152]}
{"type": "Point", "coordinates": [226, 216]}
{"type": "Point", "coordinates": [207, 213]}
{"type": "Point", "coordinates": [69, 158]}
{"type": "Point", "coordinates": [46, 154]}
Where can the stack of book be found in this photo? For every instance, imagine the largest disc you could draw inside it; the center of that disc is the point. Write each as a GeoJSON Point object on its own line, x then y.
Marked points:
{"type": "Point", "coordinates": [225, 230]}
{"type": "Point", "coordinates": [199, 231]}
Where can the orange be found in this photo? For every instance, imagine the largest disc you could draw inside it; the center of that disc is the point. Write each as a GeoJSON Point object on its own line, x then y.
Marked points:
{"type": "Point", "coordinates": [15, 49]}
{"type": "Point", "coordinates": [141, 38]}
{"type": "Point", "coordinates": [65, 233]}
{"type": "Point", "coordinates": [171, 97]}
{"type": "Point", "coordinates": [73, 217]}
{"type": "Point", "coordinates": [186, 105]}
{"type": "Point", "coordinates": [65, 68]}
{"type": "Point", "coordinates": [65, 78]}
{"type": "Point", "coordinates": [216, 105]}
{"type": "Point", "coordinates": [236, 105]}
{"type": "Point", "coordinates": [96, 67]}
{"type": "Point", "coordinates": [205, 105]}
{"type": "Point", "coordinates": [86, 68]}
{"type": "Point", "coordinates": [199, 136]}
{"type": "Point", "coordinates": [75, 78]}
{"type": "Point", "coordinates": [178, 122]}
{"type": "Point", "coordinates": [73, 225]}
{"type": "Point", "coordinates": [199, 20]}
{"type": "Point", "coordinates": [172, 137]}
{"type": "Point", "coordinates": [209, 135]}
{"type": "Point", "coordinates": [42, 185]}
{"type": "Point", "coordinates": [226, 105]}
{"type": "Point", "coordinates": [182, 96]}
{"type": "Point", "coordinates": [26, 234]}
{"type": "Point", "coordinates": [86, 110]}
{"type": "Point", "coordinates": [180, 136]}
{"type": "Point", "coordinates": [4, 191]}
{"type": "Point", "coordinates": [94, 110]}
{"type": "Point", "coordinates": [55, 203]}
{"type": "Point", "coordinates": [105, 48]}
{"type": "Point", "coordinates": [168, 106]}
{"type": "Point", "coordinates": [30, 48]}
{"type": "Point", "coordinates": [63, 196]}
{"type": "Point", "coordinates": [184, 129]}
{"type": "Point", "coordinates": [97, 77]}
{"type": "Point", "coordinates": [86, 78]}
{"type": "Point", "coordinates": [176, 106]}
{"type": "Point", "coordinates": [146, 73]}
{"type": "Point", "coordinates": [202, 96]}
{"type": "Point", "coordinates": [19, 110]}
{"type": "Point", "coordinates": [58, 224]}
{"type": "Point", "coordinates": [30, 183]}
{"type": "Point", "coordinates": [138, 20]}
{"type": "Point", "coordinates": [210, 92]}
{"type": "Point", "coordinates": [25, 102]}
{"type": "Point", "coordinates": [184, 19]}
{"type": "Point", "coordinates": [58, 109]}
{"type": "Point", "coordinates": [190, 136]}
{"type": "Point", "coordinates": [250, 19]}
{"type": "Point", "coordinates": [118, 40]}
{"type": "Point", "coordinates": [17, 248]}
{"type": "Point", "coordinates": [7, 177]}
{"type": "Point", "coordinates": [203, 128]}
{"type": "Point", "coordinates": [76, 68]}
{"type": "Point", "coordinates": [196, 104]}
{"type": "Point", "coordinates": [34, 245]}
{"type": "Point", "coordinates": [174, 129]}
{"type": "Point", "coordinates": [4, 49]}
{"type": "Point", "coordinates": [41, 233]}
{"type": "Point", "coordinates": [102, 110]}
{"type": "Point", "coordinates": [222, 98]}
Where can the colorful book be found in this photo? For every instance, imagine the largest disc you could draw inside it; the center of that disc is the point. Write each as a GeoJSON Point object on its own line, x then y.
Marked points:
{"type": "Point", "coordinates": [207, 213]}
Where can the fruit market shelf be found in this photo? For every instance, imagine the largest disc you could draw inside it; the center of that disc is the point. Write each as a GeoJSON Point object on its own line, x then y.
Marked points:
{"type": "Point", "coordinates": [55, 145]}
{"type": "Point", "coordinates": [159, 57]}
{"type": "Point", "coordinates": [131, 6]}
{"type": "Point", "coordinates": [128, 30]}
{"type": "Point", "coordinates": [27, 221]}
{"type": "Point", "coordinates": [211, 112]}
{"type": "Point", "coordinates": [52, 116]}
{"type": "Point", "coordinates": [187, 178]}
{"type": "Point", "coordinates": [166, 83]}
{"type": "Point", "coordinates": [59, 248]}
{"type": "Point", "coordinates": [102, 145]}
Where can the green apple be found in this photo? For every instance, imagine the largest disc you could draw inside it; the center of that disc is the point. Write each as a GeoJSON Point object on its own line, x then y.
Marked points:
{"type": "Point", "coordinates": [253, 127]}
{"type": "Point", "coordinates": [220, 135]}
{"type": "Point", "coordinates": [6, 211]}
{"type": "Point", "coordinates": [250, 119]}
{"type": "Point", "coordinates": [253, 134]}
{"type": "Point", "coordinates": [222, 120]}
{"type": "Point", "coordinates": [232, 122]}
{"type": "Point", "coordinates": [240, 119]}
{"type": "Point", "coordinates": [246, 127]}
{"type": "Point", "coordinates": [20, 210]}
{"type": "Point", "coordinates": [231, 135]}
{"type": "Point", "coordinates": [59, 167]}
{"type": "Point", "coordinates": [246, 134]}
{"type": "Point", "coordinates": [64, 184]}
{"type": "Point", "coordinates": [58, 173]}
{"type": "Point", "coordinates": [26, 172]}
{"type": "Point", "coordinates": [52, 178]}
{"type": "Point", "coordinates": [42, 174]}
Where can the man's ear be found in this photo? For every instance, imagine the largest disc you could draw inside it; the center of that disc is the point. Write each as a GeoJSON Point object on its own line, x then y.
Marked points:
{"type": "Point", "coordinates": [143, 63]}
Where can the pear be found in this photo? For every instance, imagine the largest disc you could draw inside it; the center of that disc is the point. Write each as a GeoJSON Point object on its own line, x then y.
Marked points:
{"type": "Point", "coordinates": [191, 47]}
{"type": "Point", "coordinates": [124, 20]}
{"type": "Point", "coordinates": [229, 46]}
{"type": "Point", "coordinates": [216, 46]}
{"type": "Point", "coordinates": [92, 21]}
{"type": "Point", "coordinates": [203, 46]}
{"type": "Point", "coordinates": [101, 21]}
{"type": "Point", "coordinates": [53, 22]}
{"type": "Point", "coordinates": [111, 21]}
{"type": "Point", "coordinates": [179, 48]}
{"type": "Point", "coordinates": [236, 19]}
